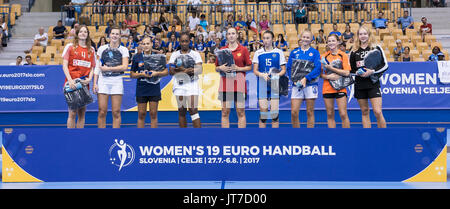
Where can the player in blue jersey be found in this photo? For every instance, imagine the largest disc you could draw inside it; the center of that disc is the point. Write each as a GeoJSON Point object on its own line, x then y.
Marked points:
{"type": "Point", "coordinates": [268, 65]}
{"type": "Point", "coordinates": [304, 67]}
{"type": "Point", "coordinates": [148, 70]}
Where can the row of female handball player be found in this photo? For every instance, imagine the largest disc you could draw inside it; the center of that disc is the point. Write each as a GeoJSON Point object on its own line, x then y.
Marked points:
{"type": "Point", "coordinates": [80, 61]}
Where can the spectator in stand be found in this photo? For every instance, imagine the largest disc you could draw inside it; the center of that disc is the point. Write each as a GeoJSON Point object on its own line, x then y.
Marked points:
{"type": "Point", "coordinates": [343, 47]}
{"type": "Point", "coordinates": [200, 44]}
{"type": "Point", "coordinates": [40, 39]}
{"type": "Point", "coordinates": [19, 61]}
{"type": "Point", "coordinates": [216, 32]}
{"type": "Point", "coordinates": [201, 31]}
{"type": "Point", "coordinates": [131, 23]}
{"type": "Point", "coordinates": [163, 24]}
{"type": "Point", "coordinates": [102, 42]}
{"type": "Point", "coordinates": [301, 15]}
{"type": "Point", "coordinates": [97, 7]}
{"type": "Point", "coordinates": [59, 31]}
{"type": "Point", "coordinates": [217, 6]}
{"type": "Point", "coordinates": [335, 31]}
{"type": "Point", "coordinates": [124, 31]}
{"type": "Point", "coordinates": [264, 24]}
{"type": "Point", "coordinates": [240, 24]}
{"type": "Point", "coordinates": [147, 32]}
{"type": "Point", "coordinates": [254, 44]}
{"type": "Point", "coordinates": [173, 32]}
{"type": "Point", "coordinates": [321, 38]}
{"type": "Point", "coordinates": [193, 5]}
{"type": "Point", "coordinates": [155, 27]}
{"type": "Point", "coordinates": [3, 38]}
{"type": "Point", "coordinates": [72, 31]}
{"type": "Point", "coordinates": [211, 59]}
{"type": "Point", "coordinates": [228, 21]}
{"type": "Point", "coordinates": [203, 22]}
{"type": "Point", "coordinates": [70, 11]}
{"type": "Point", "coordinates": [4, 26]}
{"type": "Point", "coordinates": [177, 23]}
{"type": "Point", "coordinates": [120, 6]}
{"type": "Point", "coordinates": [425, 28]}
{"type": "Point", "coordinates": [251, 24]}
{"type": "Point", "coordinates": [193, 21]}
{"type": "Point", "coordinates": [398, 50]}
{"type": "Point", "coordinates": [132, 8]}
{"type": "Point", "coordinates": [348, 34]}
{"type": "Point", "coordinates": [157, 47]}
{"type": "Point", "coordinates": [135, 34]}
{"type": "Point", "coordinates": [379, 22]}
{"type": "Point", "coordinates": [242, 40]}
{"type": "Point", "coordinates": [406, 21]}
{"type": "Point", "coordinates": [173, 6]}
{"type": "Point", "coordinates": [28, 60]}
{"type": "Point", "coordinates": [213, 45]}
{"type": "Point", "coordinates": [110, 6]}
{"type": "Point", "coordinates": [281, 43]}
{"type": "Point", "coordinates": [436, 55]}
{"type": "Point", "coordinates": [131, 45]}
{"type": "Point", "coordinates": [227, 6]}
{"type": "Point", "coordinates": [290, 5]}
{"type": "Point", "coordinates": [78, 5]}
{"type": "Point", "coordinates": [144, 8]}
{"type": "Point", "coordinates": [405, 57]}
{"type": "Point", "coordinates": [110, 24]}
{"type": "Point", "coordinates": [172, 44]}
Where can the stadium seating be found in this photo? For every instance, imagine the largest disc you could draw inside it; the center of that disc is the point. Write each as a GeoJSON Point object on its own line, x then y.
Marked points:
{"type": "Point", "coordinates": [321, 16]}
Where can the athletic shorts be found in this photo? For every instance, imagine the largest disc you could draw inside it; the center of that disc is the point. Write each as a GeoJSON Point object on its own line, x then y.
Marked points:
{"type": "Point", "coordinates": [335, 95]}
{"type": "Point", "coordinates": [187, 89]}
{"type": "Point", "coordinates": [367, 93]}
{"type": "Point", "coordinates": [110, 89]}
{"type": "Point", "coordinates": [309, 92]}
{"type": "Point", "coordinates": [146, 99]}
{"type": "Point", "coordinates": [232, 96]}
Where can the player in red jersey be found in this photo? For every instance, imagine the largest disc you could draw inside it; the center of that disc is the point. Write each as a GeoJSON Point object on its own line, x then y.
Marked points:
{"type": "Point", "coordinates": [79, 62]}
{"type": "Point", "coordinates": [233, 88]}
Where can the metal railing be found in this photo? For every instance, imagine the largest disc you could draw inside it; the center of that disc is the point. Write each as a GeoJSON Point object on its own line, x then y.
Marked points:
{"type": "Point", "coordinates": [276, 13]}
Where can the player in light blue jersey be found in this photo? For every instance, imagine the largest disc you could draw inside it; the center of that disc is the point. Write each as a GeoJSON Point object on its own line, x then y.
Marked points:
{"type": "Point", "coordinates": [268, 65]}
{"type": "Point", "coordinates": [304, 67]}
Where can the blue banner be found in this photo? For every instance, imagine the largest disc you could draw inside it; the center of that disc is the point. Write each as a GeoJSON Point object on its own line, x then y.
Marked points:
{"type": "Point", "coordinates": [284, 154]}
{"type": "Point", "coordinates": [405, 85]}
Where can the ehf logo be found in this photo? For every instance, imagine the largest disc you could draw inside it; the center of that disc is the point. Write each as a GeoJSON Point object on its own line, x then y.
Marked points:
{"type": "Point", "coordinates": [121, 154]}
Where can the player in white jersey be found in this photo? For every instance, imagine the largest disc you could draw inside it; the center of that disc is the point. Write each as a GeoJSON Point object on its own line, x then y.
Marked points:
{"type": "Point", "coordinates": [185, 66]}
{"type": "Point", "coordinates": [108, 81]}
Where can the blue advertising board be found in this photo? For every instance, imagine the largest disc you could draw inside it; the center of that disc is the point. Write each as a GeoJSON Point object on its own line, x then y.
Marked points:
{"type": "Point", "coordinates": [405, 85]}
{"type": "Point", "coordinates": [285, 154]}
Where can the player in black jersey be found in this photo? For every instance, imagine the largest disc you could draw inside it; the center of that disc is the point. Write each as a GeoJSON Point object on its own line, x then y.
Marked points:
{"type": "Point", "coordinates": [368, 62]}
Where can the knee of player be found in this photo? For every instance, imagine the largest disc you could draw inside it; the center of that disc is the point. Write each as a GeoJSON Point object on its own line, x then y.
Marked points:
{"type": "Point", "coordinates": [72, 115]}
{"type": "Point", "coordinates": [116, 113]}
{"type": "Point", "coordinates": [377, 112]}
{"type": "Point", "coordinates": [240, 112]}
{"type": "Point", "coordinates": [365, 111]}
{"type": "Point", "coordinates": [102, 112]}
{"type": "Point", "coordinates": [225, 112]}
{"type": "Point", "coordinates": [153, 114]}
{"type": "Point", "coordinates": [310, 112]}
{"type": "Point", "coordinates": [182, 111]}
{"type": "Point", "coordinates": [142, 115]}
{"type": "Point", "coordinates": [343, 115]}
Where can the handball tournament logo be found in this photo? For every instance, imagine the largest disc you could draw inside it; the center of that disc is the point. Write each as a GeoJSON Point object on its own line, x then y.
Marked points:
{"type": "Point", "coordinates": [121, 154]}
